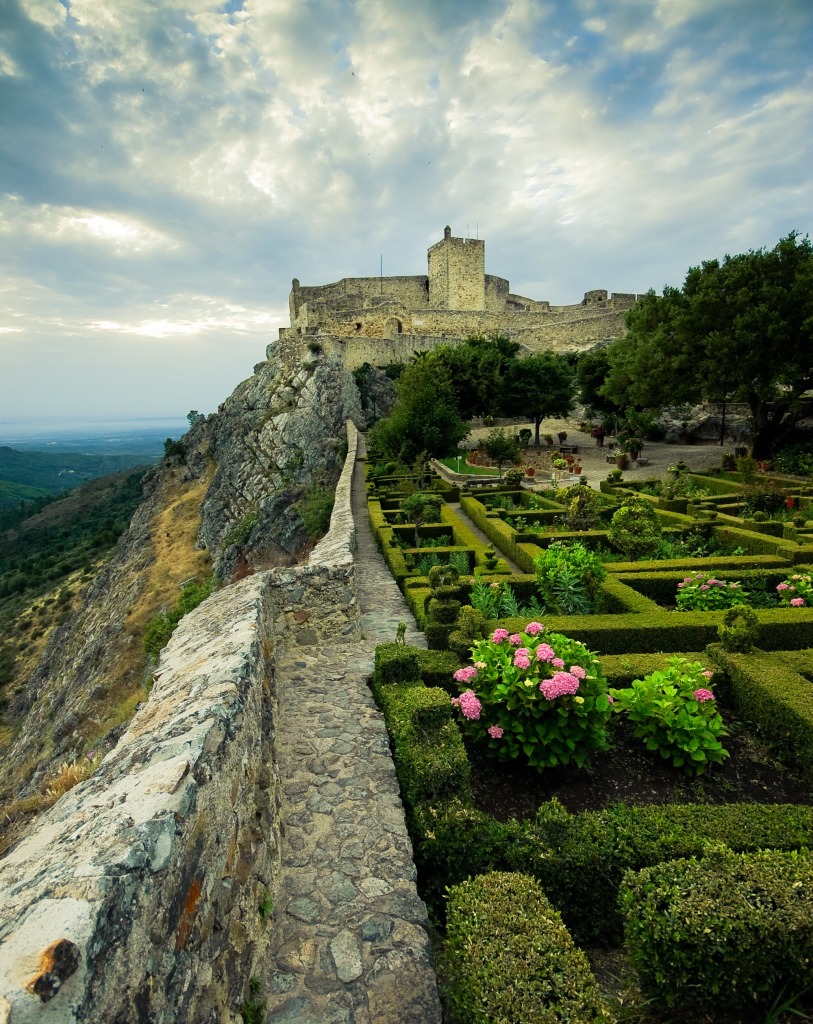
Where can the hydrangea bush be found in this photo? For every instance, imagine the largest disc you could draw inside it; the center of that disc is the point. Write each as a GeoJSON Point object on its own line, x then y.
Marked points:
{"type": "Point", "coordinates": [675, 713]}
{"type": "Point", "coordinates": [537, 694]}
{"type": "Point", "coordinates": [796, 591]}
{"type": "Point", "coordinates": [703, 592]}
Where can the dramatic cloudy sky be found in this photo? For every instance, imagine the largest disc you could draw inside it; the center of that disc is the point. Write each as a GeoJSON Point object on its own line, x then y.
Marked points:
{"type": "Point", "coordinates": [166, 167]}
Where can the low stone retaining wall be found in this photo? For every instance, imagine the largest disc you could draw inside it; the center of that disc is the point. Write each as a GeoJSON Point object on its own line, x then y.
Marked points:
{"type": "Point", "coordinates": [138, 896]}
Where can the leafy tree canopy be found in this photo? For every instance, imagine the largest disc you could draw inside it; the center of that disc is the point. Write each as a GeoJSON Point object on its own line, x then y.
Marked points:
{"type": "Point", "coordinates": [537, 387]}
{"type": "Point", "coordinates": [425, 416]}
{"type": "Point", "coordinates": [476, 369]}
{"type": "Point", "coordinates": [740, 330]}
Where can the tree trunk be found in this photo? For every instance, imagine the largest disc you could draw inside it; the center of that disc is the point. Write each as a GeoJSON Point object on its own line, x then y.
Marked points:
{"type": "Point", "coordinates": [537, 423]}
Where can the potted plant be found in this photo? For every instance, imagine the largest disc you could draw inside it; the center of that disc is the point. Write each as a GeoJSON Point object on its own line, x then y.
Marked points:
{"type": "Point", "coordinates": [614, 476]}
{"type": "Point", "coordinates": [622, 459]}
{"type": "Point", "coordinates": [562, 435]}
{"type": "Point", "coordinates": [632, 446]}
{"type": "Point", "coordinates": [599, 433]}
{"type": "Point", "coordinates": [728, 462]}
{"type": "Point", "coordinates": [569, 459]}
{"type": "Point", "coordinates": [576, 467]}
{"type": "Point", "coordinates": [530, 471]}
{"type": "Point", "coordinates": [548, 439]}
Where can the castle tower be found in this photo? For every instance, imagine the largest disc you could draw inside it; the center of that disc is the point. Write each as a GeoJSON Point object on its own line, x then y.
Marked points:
{"type": "Point", "coordinates": [457, 268]}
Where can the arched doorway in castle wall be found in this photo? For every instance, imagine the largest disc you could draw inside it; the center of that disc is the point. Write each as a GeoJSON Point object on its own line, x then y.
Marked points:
{"type": "Point", "coordinates": [394, 327]}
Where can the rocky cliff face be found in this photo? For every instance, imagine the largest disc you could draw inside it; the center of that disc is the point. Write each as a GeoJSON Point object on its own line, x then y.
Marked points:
{"type": "Point", "coordinates": [228, 505]}
{"type": "Point", "coordinates": [280, 432]}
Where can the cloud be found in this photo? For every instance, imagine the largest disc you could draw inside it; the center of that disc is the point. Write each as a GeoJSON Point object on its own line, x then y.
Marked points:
{"type": "Point", "coordinates": [168, 169]}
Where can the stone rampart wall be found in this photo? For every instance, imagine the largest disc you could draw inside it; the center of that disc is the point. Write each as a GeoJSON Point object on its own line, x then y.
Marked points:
{"type": "Point", "coordinates": [136, 896]}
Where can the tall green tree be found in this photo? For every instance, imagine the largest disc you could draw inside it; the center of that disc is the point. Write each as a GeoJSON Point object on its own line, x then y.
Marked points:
{"type": "Point", "coordinates": [592, 370]}
{"type": "Point", "coordinates": [425, 416]}
{"type": "Point", "coordinates": [476, 369]}
{"type": "Point", "coordinates": [538, 386]}
{"type": "Point", "coordinates": [739, 330]}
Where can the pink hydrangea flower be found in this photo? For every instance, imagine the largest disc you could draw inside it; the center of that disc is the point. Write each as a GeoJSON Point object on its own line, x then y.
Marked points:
{"type": "Point", "coordinates": [521, 660]}
{"type": "Point", "coordinates": [703, 694]}
{"type": "Point", "coordinates": [515, 639]}
{"type": "Point", "coordinates": [797, 601]}
{"type": "Point", "coordinates": [545, 652]}
{"type": "Point", "coordinates": [577, 671]}
{"type": "Point", "coordinates": [470, 705]}
{"type": "Point", "coordinates": [704, 587]}
{"type": "Point", "coordinates": [499, 636]}
{"type": "Point", "coordinates": [557, 663]}
{"type": "Point", "coordinates": [781, 586]}
{"type": "Point", "coordinates": [495, 732]}
{"type": "Point", "coordinates": [707, 674]}
{"type": "Point", "coordinates": [465, 675]}
{"type": "Point", "coordinates": [533, 628]}
{"type": "Point", "coordinates": [560, 685]}
{"type": "Point", "coordinates": [680, 585]}
{"type": "Point", "coordinates": [610, 698]}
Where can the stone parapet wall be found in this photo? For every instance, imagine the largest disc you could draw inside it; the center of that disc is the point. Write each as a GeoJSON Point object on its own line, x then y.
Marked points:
{"type": "Point", "coordinates": [136, 896]}
{"type": "Point", "coordinates": [149, 874]}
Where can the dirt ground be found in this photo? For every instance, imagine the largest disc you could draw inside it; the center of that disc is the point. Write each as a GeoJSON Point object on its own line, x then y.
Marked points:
{"type": "Point", "coordinates": [654, 460]}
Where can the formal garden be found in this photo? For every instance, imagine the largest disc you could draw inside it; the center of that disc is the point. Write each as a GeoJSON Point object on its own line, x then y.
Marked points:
{"type": "Point", "coordinates": [606, 752]}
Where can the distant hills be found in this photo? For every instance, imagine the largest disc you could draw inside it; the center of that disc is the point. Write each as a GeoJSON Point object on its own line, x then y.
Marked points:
{"type": "Point", "coordinates": [28, 475]}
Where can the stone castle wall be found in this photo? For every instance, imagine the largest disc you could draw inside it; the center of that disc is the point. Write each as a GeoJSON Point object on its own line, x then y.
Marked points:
{"type": "Point", "coordinates": [385, 320]}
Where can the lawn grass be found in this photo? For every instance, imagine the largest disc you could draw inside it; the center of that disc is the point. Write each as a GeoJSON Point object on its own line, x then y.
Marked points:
{"type": "Point", "coordinates": [451, 463]}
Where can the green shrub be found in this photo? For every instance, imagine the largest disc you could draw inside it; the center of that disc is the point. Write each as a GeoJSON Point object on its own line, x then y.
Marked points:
{"type": "Point", "coordinates": [421, 507]}
{"type": "Point", "coordinates": [739, 630]}
{"type": "Point", "coordinates": [396, 663]}
{"type": "Point", "coordinates": [675, 714]}
{"type": "Point", "coordinates": [728, 931]}
{"type": "Point", "coordinates": [635, 528]}
{"type": "Point", "coordinates": [241, 529]}
{"type": "Point", "coordinates": [436, 668]}
{"type": "Point", "coordinates": [775, 697]}
{"type": "Point", "coordinates": [533, 694]}
{"type": "Point", "coordinates": [428, 753]}
{"type": "Point", "coordinates": [161, 626]}
{"type": "Point", "coordinates": [511, 960]}
{"type": "Point", "coordinates": [569, 577]}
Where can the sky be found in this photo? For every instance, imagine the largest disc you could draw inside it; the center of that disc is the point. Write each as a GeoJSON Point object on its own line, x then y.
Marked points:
{"type": "Point", "coordinates": [166, 167]}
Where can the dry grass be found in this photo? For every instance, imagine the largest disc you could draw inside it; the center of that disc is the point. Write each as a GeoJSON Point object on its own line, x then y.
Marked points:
{"type": "Point", "coordinates": [18, 813]}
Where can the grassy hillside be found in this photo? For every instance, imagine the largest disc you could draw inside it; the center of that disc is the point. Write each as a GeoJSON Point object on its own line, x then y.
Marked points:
{"type": "Point", "coordinates": [47, 555]}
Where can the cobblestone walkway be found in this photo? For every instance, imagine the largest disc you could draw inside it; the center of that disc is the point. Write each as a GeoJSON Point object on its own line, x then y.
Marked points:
{"type": "Point", "coordinates": [350, 943]}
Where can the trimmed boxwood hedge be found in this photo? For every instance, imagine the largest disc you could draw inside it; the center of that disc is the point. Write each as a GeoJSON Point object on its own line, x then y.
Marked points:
{"type": "Point", "coordinates": [729, 931]}
{"type": "Point", "coordinates": [642, 633]}
{"type": "Point", "coordinates": [511, 960]}
{"type": "Point", "coordinates": [580, 859]}
{"type": "Point", "coordinates": [769, 690]}
{"type": "Point", "coordinates": [428, 753]}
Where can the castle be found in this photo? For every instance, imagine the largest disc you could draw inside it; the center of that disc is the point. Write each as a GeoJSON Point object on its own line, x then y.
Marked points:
{"type": "Point", "coordinates": [383, 320]}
